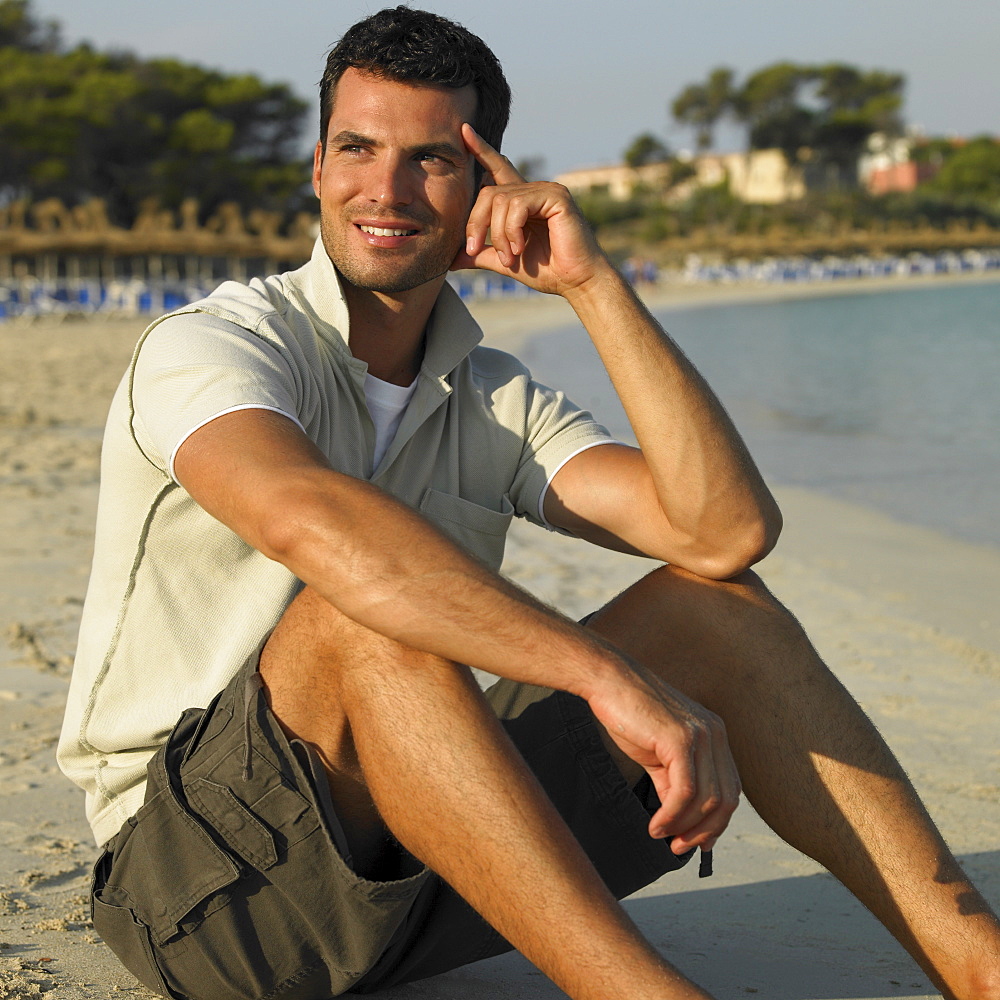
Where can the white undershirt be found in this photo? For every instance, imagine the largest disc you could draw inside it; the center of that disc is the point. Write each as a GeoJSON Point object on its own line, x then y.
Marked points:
{"type": "Point", "coordinates": [387, 403]}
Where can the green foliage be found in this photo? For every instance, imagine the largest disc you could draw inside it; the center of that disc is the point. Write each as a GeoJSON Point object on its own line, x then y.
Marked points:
{"type": "Point", "coordinates": [681, 170]}
{"type": "Point", "coordinates": [932, 151]}
{"type": "Point", "coordinates": [79, 123]}
{"type": "Point", "coordinates": [600, 209]}
{"type": "Point", "coordinates": [19, 29]}
{"type": "Point", "coordinates": [646, 148]}
{"type": "Point", "coordinates": [708, 205]}
{"type": "Point", "coordinates": [829, 212]}
{"type": "Point", "coordinates": [873, 98]}
{"type": "Point", "coordinates": [971, 172]}
{"type": "Point", "coordinates": [769, 92]}
{"type": "Point", "coordinates": [701, 105]}
{"type": "Point", "coordinates": [788, 129]}
{"type": "Point", "coordinates": [830, 109]}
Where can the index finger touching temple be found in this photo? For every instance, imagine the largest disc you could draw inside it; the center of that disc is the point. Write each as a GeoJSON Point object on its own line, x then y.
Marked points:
{"type": "Point", "coordinates": [497, 166]}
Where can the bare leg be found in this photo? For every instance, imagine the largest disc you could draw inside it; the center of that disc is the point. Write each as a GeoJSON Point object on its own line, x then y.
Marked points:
{"type": "Point", "coordinates": [408, 738]}
{"type": "Point", "coordinates": [812, 764]}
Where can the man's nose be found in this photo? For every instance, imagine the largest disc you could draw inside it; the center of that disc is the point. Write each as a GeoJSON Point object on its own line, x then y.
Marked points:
{"type": "Point", "coordinates": [390, 183]}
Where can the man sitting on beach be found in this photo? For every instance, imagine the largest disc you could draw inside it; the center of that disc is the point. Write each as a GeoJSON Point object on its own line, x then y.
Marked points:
{"type": "Point", "coordinates": [306, 482]}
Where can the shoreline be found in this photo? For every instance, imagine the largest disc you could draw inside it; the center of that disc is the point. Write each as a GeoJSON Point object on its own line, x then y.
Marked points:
{"type": "Point", "coordinates": [922, 572]}
{"type": "Point", "coordinates": [502, 318]}
{"type": "Point", "coordinates": [904, 616]}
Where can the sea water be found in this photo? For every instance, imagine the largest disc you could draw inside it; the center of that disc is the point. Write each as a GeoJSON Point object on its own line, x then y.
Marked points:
{"type": "Point", "coordinates": [889, 398]}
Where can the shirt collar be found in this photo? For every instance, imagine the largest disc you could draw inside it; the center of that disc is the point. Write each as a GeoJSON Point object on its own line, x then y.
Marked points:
{"type": "Point", "coordinates": [452, 333]}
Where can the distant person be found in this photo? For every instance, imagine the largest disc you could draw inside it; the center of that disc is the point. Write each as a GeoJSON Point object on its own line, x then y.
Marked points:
{"type": "Point", "coordinates": [299, 787]}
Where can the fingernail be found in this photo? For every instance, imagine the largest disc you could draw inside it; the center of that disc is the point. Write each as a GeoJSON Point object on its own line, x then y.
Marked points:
{"type": "Point", "coordinates": [470, 246]}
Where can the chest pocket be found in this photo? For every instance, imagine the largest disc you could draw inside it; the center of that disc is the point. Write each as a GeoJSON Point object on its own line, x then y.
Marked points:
{"type": "Point", "coordinates": [476, 529]}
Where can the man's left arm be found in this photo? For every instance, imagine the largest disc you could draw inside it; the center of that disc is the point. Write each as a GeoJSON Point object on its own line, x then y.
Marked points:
{"type": "Point", "coordinates": [691, 495]}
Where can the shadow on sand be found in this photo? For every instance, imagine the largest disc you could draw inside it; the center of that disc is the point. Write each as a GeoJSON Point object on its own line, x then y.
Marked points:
{"type": "Point", "coordinates": [798, 938]}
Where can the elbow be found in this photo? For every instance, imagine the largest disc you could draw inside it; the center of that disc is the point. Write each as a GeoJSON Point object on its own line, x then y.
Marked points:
{"type": "Point", "coordinates": [293, 540]}
{"type": "Point", "coordinates": [276, 541]}
{"type": "Point", "coordinates": [741, 550]}
{"type": "Point", "coordinates": [766, 533]}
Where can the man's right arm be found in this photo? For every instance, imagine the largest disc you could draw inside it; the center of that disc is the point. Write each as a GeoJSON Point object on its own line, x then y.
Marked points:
{"type": "Point", "coordinates": [377, 561]}
{"type": "Point", "coordinates": [390, 570]}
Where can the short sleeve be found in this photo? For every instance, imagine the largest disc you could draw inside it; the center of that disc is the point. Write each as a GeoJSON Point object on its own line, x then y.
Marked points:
{"type": "Point", "coordinates": [193, 367]}
{"type": "Point", "coordinates": [555, 430]}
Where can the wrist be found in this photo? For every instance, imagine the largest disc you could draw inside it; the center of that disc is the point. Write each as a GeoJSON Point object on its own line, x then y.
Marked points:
{"type": "Point", "coordinates": [606, 670]}
{"type": "Point", "coordinates": [602, 286]}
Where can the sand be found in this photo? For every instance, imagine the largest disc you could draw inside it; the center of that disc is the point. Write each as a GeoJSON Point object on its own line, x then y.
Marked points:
{"type": "Point", "coordinates": [907, 618]}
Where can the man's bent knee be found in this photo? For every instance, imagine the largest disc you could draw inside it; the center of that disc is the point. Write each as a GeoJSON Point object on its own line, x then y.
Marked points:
{"type": "Point", "coordinates": [318, 665]}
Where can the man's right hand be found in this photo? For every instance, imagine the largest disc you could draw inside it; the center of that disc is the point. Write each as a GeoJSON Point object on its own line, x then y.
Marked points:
{"type": "Point", "coordinates": [530, 231]}
{"type": "Point", "coordinates": [684, 749]}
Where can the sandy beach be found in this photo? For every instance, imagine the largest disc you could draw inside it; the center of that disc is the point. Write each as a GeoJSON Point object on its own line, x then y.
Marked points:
{"type": "Point", "coordinates": [906, 617]}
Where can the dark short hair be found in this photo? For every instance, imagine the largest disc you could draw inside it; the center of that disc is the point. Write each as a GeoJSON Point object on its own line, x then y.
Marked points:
{"type": "Point", "coordinates": [400, 43]}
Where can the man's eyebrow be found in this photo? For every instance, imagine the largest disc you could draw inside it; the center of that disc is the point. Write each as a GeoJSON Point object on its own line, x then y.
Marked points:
{"type": "Point", "coordinates": [346, 137]}
{"type": "Point", "coordinates": [446, 149]}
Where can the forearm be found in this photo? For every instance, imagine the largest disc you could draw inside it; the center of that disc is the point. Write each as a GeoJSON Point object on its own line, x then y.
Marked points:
{"type": "Point", "coordinates": [391, 570]}
{"type": "Point", "coordinates": [712, 496]}
{"type": "Point", "coordinates": [710, 510]}
{"type": "Point", "coordinates": [376, 560]}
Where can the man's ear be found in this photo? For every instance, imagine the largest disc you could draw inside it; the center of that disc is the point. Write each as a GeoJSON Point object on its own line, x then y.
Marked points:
{"type": "Point", "coordinates": [317, 171]}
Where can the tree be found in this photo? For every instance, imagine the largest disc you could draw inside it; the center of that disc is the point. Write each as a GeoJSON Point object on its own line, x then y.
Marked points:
{"type": "Point", "coordinates": [646, 148]}
{"type": "Point", "coordinates": [701, 105]}
{"type": "Point", "coordinates": [854, 105]}
{"type": "Point", "coordinates": [830, 109]}
{"type": "Point", "coordinates": [79, 123]}
{"type": "Point", "coordinates": [768, 105]}
{"type": "Point", "coordinates": [971, 172]}
{"type": "Point", "coordinates": [18, 29]}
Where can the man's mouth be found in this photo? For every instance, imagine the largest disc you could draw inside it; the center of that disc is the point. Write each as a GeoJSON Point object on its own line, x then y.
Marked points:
{"type": "Point", "coordinates": [377, 231]}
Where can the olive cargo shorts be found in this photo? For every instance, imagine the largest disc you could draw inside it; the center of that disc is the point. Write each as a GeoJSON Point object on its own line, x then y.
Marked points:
{"type": "Point", "coordinates": [228, 884]}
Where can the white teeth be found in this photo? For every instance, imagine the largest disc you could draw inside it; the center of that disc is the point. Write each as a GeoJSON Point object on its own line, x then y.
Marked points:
{"type": "Point", "coordinates": [386, 232]}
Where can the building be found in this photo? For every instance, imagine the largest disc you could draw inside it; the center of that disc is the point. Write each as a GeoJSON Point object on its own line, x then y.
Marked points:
{"type": "Point", "coordinates": [887, 165]}
{"type": "Point", "coordinates": [760, 176]}
{"type": "Point", "coordinates": [619, 182]}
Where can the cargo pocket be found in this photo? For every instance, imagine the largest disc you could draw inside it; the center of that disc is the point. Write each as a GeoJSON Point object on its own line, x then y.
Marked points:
{"type": "Point", "coordinates": [161, 867]}
{"type": "Point", "coordinates": [129, 939]}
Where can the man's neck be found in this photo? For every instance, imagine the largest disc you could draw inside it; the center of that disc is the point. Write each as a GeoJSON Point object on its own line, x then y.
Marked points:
{"type": "Point", "coordinates": [387, 329]}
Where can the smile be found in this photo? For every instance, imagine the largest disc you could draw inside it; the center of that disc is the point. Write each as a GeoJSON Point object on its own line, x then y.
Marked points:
{"type": "Point", "coordinates": [375, 231]}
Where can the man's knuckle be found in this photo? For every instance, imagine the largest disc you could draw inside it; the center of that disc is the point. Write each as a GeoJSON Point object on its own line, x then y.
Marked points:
{"type": "Point", "coordinates": [685, 791]}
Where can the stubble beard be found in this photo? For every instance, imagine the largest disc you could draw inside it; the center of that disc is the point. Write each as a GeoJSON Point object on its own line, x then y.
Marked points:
{"type": "Point", "coordinates": [384, 270]}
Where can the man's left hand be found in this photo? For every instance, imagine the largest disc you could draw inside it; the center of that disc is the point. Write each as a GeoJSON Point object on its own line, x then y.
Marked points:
{"type": "Point", "coordinates": [535, 230]}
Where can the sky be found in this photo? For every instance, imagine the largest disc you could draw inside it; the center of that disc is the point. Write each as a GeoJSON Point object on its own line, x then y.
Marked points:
{"type": "Point", "coordinates": [590, 75]}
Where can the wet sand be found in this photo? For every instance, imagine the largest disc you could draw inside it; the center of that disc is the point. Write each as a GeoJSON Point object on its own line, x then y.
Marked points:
{"type": "Point", "coordinates": [907, 618]}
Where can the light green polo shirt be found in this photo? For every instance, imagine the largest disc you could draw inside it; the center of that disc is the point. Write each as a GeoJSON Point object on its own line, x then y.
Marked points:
{"type": "Point", "coordinates": [177, 602]}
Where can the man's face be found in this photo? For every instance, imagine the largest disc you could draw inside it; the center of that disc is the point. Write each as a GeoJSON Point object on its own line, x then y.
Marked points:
{"type": "Point", "coordinates": [395, 180]}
